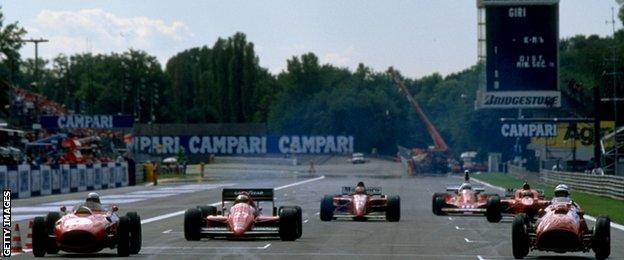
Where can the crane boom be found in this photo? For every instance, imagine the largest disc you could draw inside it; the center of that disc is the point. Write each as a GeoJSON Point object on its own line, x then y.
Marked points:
{"type": "Point", "coordinates": [438, 142]}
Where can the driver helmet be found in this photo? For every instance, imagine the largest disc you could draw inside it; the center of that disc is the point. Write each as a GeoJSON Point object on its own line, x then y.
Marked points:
{"type": "Point", "coordinates": [562, 190]}
{"type": "Point", "coordinates": [244, 198]}
{"type": "Point", "coordinates": [360, 190]}
{"type": "Point", "coordinates": [93, 197]}
{"type": "Point", "coordinates": [527, 193]}
{"type": "Point", "coordinates": [526, 186]}
{"type": "Point", "coordinates": [465, 186]}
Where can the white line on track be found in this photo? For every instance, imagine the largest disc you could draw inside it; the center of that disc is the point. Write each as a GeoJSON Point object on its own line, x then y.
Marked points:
{"type": "Point", "coordinates": [178, 213]}
{"type": "Point", "coordinates": [204, 247]}
{"type": "Point", "coordinates": [474, 241]}
{"type": "Point", "coordinates": [306, 221]}
{"type": "Point", "coordinates": [588, 217]}
{"type": "Point", "coordinates": [167, 231]}
{"type": "Point", "coordinates": [480, 257]}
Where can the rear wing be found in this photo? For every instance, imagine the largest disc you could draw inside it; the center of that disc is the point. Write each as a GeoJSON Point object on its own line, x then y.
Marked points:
{"type": "Point", "coordinates": [255, 194]}
{"type": "Point", "coordinates": [369, 190]}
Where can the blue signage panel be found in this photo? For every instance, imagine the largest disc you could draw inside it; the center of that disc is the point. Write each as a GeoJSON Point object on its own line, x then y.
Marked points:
{"type": "Point", "coordinates": [325, 144]}
{"type": "Point", "coordinates": [86, 121]}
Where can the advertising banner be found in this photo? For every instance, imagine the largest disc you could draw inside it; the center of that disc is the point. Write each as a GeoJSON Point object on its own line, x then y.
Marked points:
{"type": "Point", "coordinates": [13, 180]}
{"type": "Point", "coordinates": [24, 180]}
{"type": "Point", "coordinates": [97, 176]}
{"type": "Point", "coordinates": [35, 181]}
{"type": "Point", "coordinates": [86, 121]}
{"type": "Point", "coordinates": [574, 135]}
{"type": "Point", "coordinates": [90, 177]}
{"type": "Point", "coordinates": [46, 179]}
{"type": "Point", "coordinates": [3, 177]}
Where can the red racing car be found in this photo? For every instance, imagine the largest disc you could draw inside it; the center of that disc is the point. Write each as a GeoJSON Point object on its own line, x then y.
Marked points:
{"type": "Point", "coordinates": [463, 199]}
{"type": "Point", "coordinates": [523, 200]}
{"type": "Point", "coordinates": [560, 228]}
{"type": "Point", "coordinates": [361, 203]}
{"type": "Point", "coordinates": [244, 218]}
{"type": "Point", "coordinates": [88, 228]}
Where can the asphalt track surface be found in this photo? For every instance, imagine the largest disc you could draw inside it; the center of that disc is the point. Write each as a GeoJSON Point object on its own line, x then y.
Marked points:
{"type": "Point", "coordinates": [419, 234]}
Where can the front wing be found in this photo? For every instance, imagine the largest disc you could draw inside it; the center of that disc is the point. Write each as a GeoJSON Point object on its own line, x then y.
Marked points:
{"type": "Point", "coordinates": [226, 232]}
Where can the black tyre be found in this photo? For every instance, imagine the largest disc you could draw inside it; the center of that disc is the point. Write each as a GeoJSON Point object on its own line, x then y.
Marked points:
{"type": "Point", "coordinates": [493, 209]}
{"type": "Point", "coordinates": [192, 224]}
{"type": "Point", "coordinates": [438, 205]}
{"type": "Point", "coordinates": [601, 242]}
{"type": "Point", "coordinates": [327, 208]}
{"type": "Point", "coordinates": [123, 237]}
{"type": "Point", "coordinates": [393, 209]}
{"type": "Point", "coordinates": [288, 223]}
{"type": "Point", "coordinates": [519, 236]}
{"type": "Point", "coordinates": [433, 201]}
{"type": "Point", "coordinates": [135, 232]}
{"type": "Point", "coordinates": [51, 219]}
{"type": "Point", "coordinates": [39, 237]}
{"type": "Point", "coordinates": [207, 210]}
{"type": "Point", "coordinates": [299, 221]}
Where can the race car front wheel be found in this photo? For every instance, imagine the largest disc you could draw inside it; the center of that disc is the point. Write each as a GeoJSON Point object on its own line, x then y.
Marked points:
{"type": "Point", "coordinates": [519, 236]}
{"type": "Point", "coordinates": [601, 242]}
{"type": "Point", "coordinates": [135, 232]}
{"type": "Point", "coordinates": [438, 204]}
{"type": "Point", "coordinates": [123, 237]}
{"type": "Point", "coordinates": [327, 208]}
{"type": "Point", "coordinates": [393, 209]}
{"type": "Point", "coordinates": [39, 237]}
{"type": "Point", "coordinates": [207, 210]}
{"type": "Point", "coordinates": [493, 209]}
{"type": "Point", "coordinates": [51, 219]}
{"type": "Point", "coordinates": [288, 223]}
{"type": "Point", "coordinates": [192, 224]}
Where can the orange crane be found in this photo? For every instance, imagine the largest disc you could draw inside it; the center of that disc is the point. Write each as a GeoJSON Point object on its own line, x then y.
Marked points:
{"type": "Point", "coordinates": [425, 160]}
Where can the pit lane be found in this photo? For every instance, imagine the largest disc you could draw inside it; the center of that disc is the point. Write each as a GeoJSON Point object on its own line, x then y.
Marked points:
{"type": "Point", "coordinates": [419, 234]}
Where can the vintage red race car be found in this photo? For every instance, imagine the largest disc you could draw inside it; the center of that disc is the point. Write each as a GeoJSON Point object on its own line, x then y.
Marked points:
{"type": "Point", "coordinates": [560, 228]}
{"type": "Point", "coordinates": [463, 199]}
{"type": "Point", "coordinates": [87, 228]}
{"type": "Point", "coordinates": [523, 200]}
{"type": "Point", "coordinates": [364, 204]}
{"type": "Point", "coordinates": [243, 219]}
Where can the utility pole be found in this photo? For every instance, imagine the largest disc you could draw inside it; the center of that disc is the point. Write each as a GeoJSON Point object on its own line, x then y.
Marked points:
{"type": "Point", "coordinates": [36, 42]}
{"type": "Point", "coordinates": [615, 97]}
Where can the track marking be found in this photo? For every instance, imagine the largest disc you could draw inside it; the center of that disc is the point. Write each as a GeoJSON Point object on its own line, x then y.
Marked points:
{"type": "Point", "coordinates": [317, 213]}
{"type": "Point", "coordinates": [306, 221]}
{"type": "Point", "coordinates": [588, 217]}
{"type": "Point", "coordinates": [474, 241]}
{"type": "Point", "coordinates": [208, 247]}
{"type": "Point", "coordinates": [451, 219]}
{"type": "Point", "coordinates": [167, 231]}
{"type": "Point", "coordinates": [181, 212]}
{"type": "Point", "coordinates": [480, 257]}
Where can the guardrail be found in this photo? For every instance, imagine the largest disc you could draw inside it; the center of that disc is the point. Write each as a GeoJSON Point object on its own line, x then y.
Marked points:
{"type": "Point", "coordinates": [605, 185]}
{"type": "Point", "coordinates": [26, 180]}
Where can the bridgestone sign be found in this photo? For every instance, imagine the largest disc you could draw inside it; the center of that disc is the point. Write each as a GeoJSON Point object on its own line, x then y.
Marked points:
{"type": "Point", "coordinates": [521, 54]}
{"type": "Point", "coordinates": [529, 130]}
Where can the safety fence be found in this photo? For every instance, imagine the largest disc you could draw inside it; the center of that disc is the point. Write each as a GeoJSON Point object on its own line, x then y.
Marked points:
{"type": "Point", "coordinates": [605, 185]}
{"type": "Point", "coordinates": [28, 180]}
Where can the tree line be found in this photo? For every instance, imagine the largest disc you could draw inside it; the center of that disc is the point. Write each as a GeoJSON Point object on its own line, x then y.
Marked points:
{"type": "Point", "coordinates": [224, 83]}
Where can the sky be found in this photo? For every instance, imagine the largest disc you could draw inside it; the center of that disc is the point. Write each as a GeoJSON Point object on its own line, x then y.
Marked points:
{"type": "Point", "coordinates": [418, 37]}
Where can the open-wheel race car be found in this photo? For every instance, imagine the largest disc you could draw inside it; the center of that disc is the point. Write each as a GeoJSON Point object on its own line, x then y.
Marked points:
{"type": "Point", "coordinates": [463, 199]}
{"type": "Point", "coordinates": [87, 228]}
{"type": "Point", "coordinates": [560, 228]}
{"type": "Point", "coordinates": [244, 218]}
{"type": "Point", "coordinates": [361, 203]}
{"type": "Point", "coordinates": [516, 201]}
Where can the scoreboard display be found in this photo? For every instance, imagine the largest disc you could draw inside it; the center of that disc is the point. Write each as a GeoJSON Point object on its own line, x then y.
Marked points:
{"type": "Point", "coordinates": [522, 41]}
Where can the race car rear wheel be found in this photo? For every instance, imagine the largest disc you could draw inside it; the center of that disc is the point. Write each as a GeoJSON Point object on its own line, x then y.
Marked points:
{"type": "Point", "coordinates": [39, 237]}
{"type": "Point", "coordinates": [519, 236]}
{"type": "Point", "coordinates": [288, 223]}
{"type": "Point", "coordinates": [51, 219]}
{"type": "Point", "coordinates": [207, 210]}
{"type": "Point", "coordinates": [493, 209]}
{"type": "Point", "coordinates": [438, 205]}
{"type": "Point", "coordinates": [123, 237]}
{"type": "Point", "coordinates": [135, 232]}
{"type": "Point", "coordinates": [601, 242]}
{"type": "Point", "coordinates": [192, 224]}
{"type": "Point", "coordinates": [327, 208]}
{"type": "Point", "coordinates": [393, 209]}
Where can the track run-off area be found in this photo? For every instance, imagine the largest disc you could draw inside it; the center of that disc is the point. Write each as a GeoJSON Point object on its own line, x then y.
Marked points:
{"type": "Point", "coordinates": [418, 235]}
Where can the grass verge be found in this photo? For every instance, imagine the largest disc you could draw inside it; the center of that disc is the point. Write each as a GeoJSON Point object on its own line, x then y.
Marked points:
{"type": "Point", "coordinates": [592, 204]}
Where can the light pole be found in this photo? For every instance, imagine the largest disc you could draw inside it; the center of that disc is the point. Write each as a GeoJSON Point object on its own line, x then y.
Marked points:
{"type": "Point", "coordinates": [36, 42]}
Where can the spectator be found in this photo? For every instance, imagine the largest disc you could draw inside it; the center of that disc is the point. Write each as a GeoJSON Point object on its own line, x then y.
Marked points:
{"type": "Point", "coordinates": [597, 170]}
